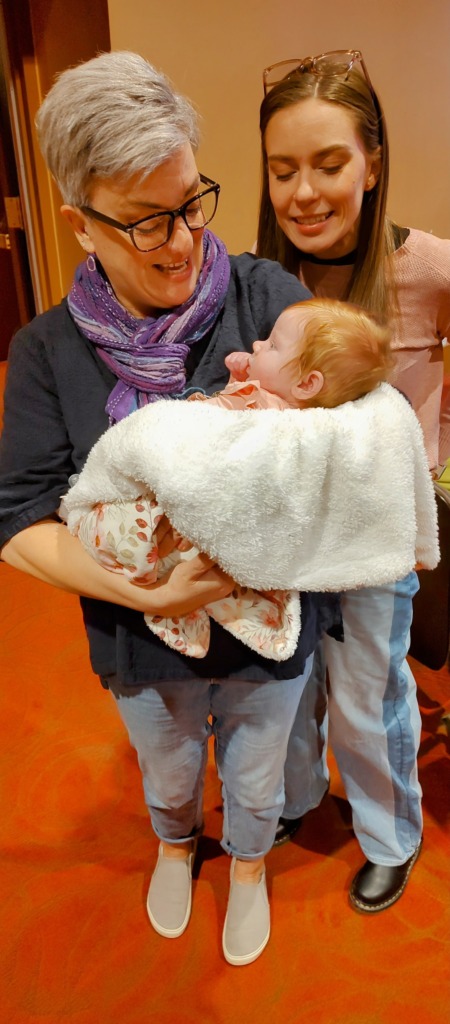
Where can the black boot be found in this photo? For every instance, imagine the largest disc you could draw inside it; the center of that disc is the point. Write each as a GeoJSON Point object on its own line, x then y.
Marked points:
{"type": "Point", "coordinates": [377, 887]}
{"type": "Point", "coordinates": [286, 828]}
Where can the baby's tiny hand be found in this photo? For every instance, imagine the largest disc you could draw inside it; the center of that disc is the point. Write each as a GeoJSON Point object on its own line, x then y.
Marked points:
{"type": "Point", "coordinates": [238, 365]}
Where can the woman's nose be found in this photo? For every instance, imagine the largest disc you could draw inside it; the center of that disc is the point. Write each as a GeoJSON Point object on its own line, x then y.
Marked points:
{"type": "Point", "coordinates": [181, 241]}
{"type": "Point", "coordinates": [304, 189]}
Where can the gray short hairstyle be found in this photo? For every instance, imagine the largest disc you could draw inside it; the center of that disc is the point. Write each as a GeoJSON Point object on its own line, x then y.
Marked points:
{"type": "Point", "coordinates": [112, 116]}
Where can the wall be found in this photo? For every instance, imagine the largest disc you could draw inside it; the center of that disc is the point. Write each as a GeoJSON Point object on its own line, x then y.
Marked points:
{"type": "Point", "coordinates": [215, 53]}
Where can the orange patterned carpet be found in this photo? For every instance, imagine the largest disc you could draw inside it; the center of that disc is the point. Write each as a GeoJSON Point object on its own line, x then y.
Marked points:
{"type": "Point", "coordinates": [77, 851]}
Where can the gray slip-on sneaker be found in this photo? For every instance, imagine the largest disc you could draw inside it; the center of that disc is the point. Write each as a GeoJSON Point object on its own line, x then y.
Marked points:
{"type": "Point", "coordinates": [247, 924]}
{"type": "Point", "coordinates": [170, 894]}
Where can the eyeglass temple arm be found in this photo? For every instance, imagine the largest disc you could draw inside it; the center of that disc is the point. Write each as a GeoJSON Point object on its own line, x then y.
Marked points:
{"type": "Point", "coordinates": [104, 218]}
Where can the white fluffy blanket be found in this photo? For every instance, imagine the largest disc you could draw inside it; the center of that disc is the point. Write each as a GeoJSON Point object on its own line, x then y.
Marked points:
{"type": "Point", "coordinates": [318, 499]}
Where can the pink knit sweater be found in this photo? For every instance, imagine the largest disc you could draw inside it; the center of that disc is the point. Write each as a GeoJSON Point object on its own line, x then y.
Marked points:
{"type": "Point", "coordinates": [422, 272]}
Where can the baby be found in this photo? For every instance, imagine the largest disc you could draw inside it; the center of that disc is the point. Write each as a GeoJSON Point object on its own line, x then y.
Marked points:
{"type": "Point", "coordinates": [319, 353]}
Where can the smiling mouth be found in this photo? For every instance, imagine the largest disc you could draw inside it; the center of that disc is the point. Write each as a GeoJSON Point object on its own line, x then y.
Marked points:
{"type": "Point", "coordinates": [319, 218]}
{"type": "Point", "coordinates": [173, 268]}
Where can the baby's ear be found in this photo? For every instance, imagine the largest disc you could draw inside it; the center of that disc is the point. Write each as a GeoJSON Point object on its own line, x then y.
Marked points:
{"type": "Point", "coordinates": [308, 387]}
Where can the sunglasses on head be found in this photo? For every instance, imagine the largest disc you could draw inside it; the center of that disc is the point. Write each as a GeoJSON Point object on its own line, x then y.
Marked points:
{"type": "Point", "coordinates": [334, 63]}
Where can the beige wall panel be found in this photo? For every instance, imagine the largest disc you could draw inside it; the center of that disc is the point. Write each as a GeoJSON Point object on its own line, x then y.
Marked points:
{"type": "Point", "coordinates": [215, 52]}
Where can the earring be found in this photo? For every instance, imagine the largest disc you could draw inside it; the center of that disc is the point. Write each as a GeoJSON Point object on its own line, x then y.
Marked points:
{"type": "Point", "coordinates": [91, 264]}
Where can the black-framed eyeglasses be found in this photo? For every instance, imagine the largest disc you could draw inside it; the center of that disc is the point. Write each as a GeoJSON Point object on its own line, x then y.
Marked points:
{"type": "Point", "coordinates": [335, 62]}
{"type": "Point", "coordinates": [152, 232]}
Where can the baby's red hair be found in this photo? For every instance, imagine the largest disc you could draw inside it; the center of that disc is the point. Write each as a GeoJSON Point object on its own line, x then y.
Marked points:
{"type": "Point", "coordinates": [351, 348]}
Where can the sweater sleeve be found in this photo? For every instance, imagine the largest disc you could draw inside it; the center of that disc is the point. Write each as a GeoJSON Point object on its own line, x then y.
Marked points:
{"type": "Point", "coordinates": [35, 450]}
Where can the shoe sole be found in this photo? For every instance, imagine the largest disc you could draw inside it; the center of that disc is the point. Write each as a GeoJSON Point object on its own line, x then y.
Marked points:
{"type": "Point", "coordinates": [285, 839]}
{"type": "Point", "coordinates": [248, 958]}
{"type": "Point", "coordinates": [366, 908]}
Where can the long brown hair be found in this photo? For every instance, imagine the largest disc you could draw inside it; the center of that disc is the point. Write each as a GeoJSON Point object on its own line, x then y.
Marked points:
{"type": "Point", "coordinates": [370, 285]}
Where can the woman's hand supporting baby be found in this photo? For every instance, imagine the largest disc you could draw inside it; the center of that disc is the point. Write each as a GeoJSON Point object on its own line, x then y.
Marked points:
{"type": "Point", "coordinates": [168, 539]}
{"type": "Point", "coordinates": [50, 553]}
{"type": "Point", "coordinates": [189, 586]}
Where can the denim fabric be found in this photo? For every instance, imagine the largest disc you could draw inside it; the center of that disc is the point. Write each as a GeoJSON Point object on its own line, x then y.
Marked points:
{"type": "Point", "coordinates": [306, 777]}
{"type": "Point", "coordinates": [169, 725]}
{"type": "Point", "coordinates": [374, 725]}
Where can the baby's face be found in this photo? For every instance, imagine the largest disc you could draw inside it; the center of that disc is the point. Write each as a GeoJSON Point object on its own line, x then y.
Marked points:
{"type": "Point", "coordinates": [269, 362]}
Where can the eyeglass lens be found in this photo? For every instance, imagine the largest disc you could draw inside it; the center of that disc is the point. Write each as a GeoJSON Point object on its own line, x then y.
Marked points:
{"type": "Point", "coordinates": [157, 230]}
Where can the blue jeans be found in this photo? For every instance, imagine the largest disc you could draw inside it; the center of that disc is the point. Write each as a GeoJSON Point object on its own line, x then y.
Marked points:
{"type": "Point", "coordinates": [374, 725]}
{"type": "Point", "coordinates": [169, 724]}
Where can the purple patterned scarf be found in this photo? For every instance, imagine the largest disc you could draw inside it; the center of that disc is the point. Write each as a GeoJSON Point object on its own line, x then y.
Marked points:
{"type": "Point", "coordinates": [148, 355]}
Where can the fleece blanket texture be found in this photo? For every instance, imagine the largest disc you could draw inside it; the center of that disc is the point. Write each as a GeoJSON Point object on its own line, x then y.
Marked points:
{"type": "Point", "coordinates": [316, 499]}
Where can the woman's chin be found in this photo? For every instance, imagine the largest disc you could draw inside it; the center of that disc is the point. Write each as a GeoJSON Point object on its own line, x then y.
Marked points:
{"type": "Point", "coordinates": [177, 288]}
{"type": "Point", "coordinates": [315, 239]}
{"type": "Point", "coordinates": [168, 295]}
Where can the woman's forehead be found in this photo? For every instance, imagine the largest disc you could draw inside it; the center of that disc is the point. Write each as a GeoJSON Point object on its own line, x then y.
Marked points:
{"type": "Point", "coordinates": [168, 183]}
{"type": "Point", "coordinates": [312, 123]}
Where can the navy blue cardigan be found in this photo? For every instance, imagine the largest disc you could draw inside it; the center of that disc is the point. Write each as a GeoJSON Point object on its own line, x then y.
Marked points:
{"type": "Point", "coordinates": [55, 399]}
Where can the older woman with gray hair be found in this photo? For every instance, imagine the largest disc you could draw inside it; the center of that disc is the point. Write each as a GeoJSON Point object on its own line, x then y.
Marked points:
{"type": "Point", "coordinates": [154, 309]}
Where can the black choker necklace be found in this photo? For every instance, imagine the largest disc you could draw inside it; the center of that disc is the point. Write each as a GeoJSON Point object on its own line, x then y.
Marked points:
{"type": "Point", "coordinates": [338, 261]}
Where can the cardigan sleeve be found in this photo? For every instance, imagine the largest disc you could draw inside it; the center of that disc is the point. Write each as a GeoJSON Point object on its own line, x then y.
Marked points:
{"type": "Point", "coordinates": [35, 450]}
{"type": "Point", "coordinates": [55, 397]}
